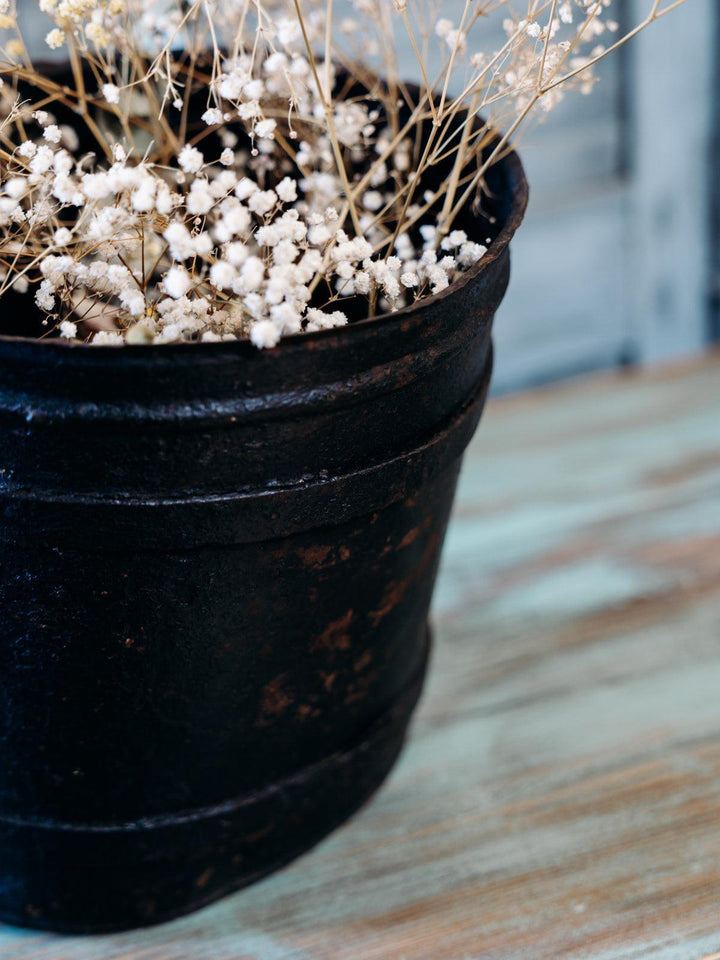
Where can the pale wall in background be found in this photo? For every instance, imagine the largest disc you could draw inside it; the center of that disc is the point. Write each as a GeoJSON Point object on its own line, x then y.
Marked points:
{"type": "Point", "coordinates": [613, 262]}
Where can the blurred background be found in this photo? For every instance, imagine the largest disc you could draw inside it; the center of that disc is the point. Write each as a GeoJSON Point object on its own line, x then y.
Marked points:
{"type": "Point", "coordinates": [617, 261]}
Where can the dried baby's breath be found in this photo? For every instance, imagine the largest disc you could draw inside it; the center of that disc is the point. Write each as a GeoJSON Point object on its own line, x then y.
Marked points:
{"type": "Point", "coordinates": [227, 169]}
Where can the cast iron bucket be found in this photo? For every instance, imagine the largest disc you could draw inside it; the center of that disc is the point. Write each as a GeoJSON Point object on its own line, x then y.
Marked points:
{"type": "Point", "coordinates": [216, 568]}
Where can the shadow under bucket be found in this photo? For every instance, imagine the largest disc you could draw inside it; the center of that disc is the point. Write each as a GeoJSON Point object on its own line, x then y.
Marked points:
{"type": "Point", "coordinates": [216, 566]}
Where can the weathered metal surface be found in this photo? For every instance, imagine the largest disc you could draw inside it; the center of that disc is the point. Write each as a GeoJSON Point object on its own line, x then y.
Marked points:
{"type": "Point", "coordinates": [215, 571]}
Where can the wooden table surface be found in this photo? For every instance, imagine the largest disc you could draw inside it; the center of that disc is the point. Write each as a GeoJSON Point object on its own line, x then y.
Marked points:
{"type": "Point", "coordinates": [560, 793]}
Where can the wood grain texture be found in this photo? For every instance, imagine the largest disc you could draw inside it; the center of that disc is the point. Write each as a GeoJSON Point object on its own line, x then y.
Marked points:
{"type": "Point", "coordinates": [560, 793]}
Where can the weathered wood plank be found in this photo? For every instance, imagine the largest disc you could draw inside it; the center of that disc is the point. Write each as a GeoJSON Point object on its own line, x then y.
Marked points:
{"type": "Point", "coordinates": [672, 169]}
{"type": "Point", "coordinates": [560, 793]}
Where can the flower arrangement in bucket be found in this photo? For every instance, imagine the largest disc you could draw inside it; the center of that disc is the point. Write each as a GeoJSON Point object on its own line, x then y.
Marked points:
{"type": "Point", "coordinates": [248, 276]}
{"type": "Point", "coordinates": [202, 172]}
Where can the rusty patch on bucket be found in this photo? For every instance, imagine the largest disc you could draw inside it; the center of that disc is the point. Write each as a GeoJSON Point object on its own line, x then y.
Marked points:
{"type": "Point", "coordinates": [334, 636]}
{"type": "Point", "coordinates": [275, 700]}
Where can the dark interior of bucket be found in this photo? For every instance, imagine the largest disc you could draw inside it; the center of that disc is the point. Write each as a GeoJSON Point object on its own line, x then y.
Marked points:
{"type": "Point", "coordinates": [481, 218]}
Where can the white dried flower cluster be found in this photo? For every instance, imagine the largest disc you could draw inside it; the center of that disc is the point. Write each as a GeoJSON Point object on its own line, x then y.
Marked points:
{"type": "Point", "coordinates": [232, 259]}
{"type": "Point", "coordinates": [248, 188]}
{"type": "Point", "coordinates": [577, 25]}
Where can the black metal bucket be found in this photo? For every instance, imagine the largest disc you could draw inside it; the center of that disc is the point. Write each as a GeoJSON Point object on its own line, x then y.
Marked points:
{"type": "Point", "coordinates": [215, 572]}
